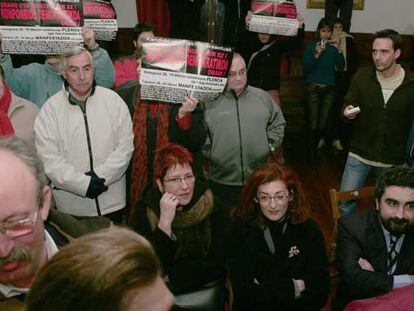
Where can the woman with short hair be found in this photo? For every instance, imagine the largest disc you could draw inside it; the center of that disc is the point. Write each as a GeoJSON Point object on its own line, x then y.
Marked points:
{"type": "Point", "coordinates": [184, 222]}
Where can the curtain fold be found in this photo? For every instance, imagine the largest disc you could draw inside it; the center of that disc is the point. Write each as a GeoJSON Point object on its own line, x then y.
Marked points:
{"type": "Point", "coordinates": [156, 12]}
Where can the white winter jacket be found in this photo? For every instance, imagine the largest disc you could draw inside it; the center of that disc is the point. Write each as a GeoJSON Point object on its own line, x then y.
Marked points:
{"type": "Point", "coordinates": [61, 141]}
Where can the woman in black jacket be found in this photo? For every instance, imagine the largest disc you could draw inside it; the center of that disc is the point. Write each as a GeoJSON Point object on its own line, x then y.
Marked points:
{"type": "Point", "coordinates": [263, 53]}
{"type": "Point", "coordinates": [276, 255]}
{"type": "Point", "coordinates": [183, 221]}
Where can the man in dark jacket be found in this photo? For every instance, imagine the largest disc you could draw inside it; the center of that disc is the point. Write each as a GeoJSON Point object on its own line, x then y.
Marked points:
{"type": "Point", "coordinates": [380, 102]}
{"type": "Point", "coordinates": [375, 253]}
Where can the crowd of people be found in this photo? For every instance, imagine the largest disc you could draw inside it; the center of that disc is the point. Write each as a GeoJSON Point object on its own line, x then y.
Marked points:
{"type": "Point", "coordinates": [222, 220]}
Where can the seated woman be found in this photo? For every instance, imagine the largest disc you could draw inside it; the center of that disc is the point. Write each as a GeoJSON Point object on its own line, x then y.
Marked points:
{"type": "Point", "coordinates": [184, 222]}
{"type": "Point", "coordinates": [276, 255]}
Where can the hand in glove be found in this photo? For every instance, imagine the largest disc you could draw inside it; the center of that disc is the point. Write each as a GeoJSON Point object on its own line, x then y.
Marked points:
{"type": "Point", "coordinates": [96, 185]}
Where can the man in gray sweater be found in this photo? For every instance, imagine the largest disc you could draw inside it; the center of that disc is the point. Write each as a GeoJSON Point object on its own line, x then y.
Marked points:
{"type": "Point", "coordinates": [244, 125]}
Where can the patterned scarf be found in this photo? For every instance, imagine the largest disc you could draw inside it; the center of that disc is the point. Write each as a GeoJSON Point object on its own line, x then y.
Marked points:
{"type": "Point", "coordinates": [192, 227]}
{"type": "Point", "coordinates": [145, 113]}
{"type": "Point", "coordinates": [6, 127]}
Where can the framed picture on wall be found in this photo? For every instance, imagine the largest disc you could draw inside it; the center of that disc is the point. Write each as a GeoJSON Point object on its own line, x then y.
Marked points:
{"type": "Point", "coordinates": [320, 4]}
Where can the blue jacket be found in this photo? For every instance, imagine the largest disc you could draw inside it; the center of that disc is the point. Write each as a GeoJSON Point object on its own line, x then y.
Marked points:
{"type": "Point", "coordinates": [37, 82]}
{"type": "Point", "coordinates": [322, 70]}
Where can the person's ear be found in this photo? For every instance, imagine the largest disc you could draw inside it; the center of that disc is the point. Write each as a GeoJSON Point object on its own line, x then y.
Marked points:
{"type": "Point", "coordinates": [397, 53]}
{"type": "Point", "coordinates": [44, 205]}
{"type": "Point", "coordinates": [376, 204]}
{"type": "Point", "coordinates": [159, 185]}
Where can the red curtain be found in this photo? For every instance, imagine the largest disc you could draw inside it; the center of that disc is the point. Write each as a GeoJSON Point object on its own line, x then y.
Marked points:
{"type": "Point", "coordinates": [156, 12]}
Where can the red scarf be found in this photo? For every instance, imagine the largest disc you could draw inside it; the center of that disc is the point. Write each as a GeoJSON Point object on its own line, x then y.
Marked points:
{"type": "Point", "coordinates": [139, 175]}
{"type": "Point", "coordinates": [6, 127]}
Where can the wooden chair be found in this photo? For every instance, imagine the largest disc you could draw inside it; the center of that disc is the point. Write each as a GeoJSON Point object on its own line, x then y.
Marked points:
{"type": "Point", "coordinates": [339, 196]}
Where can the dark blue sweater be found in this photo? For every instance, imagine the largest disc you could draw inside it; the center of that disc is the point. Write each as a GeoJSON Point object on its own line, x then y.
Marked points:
{"type": "Point", "coordinates": [322, 70]}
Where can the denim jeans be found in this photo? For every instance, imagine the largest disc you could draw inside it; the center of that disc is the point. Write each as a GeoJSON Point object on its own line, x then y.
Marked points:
{"type": "Point", "coordinates": [318, 106]}
{"type": "Point", "coordinates": [354, 176]}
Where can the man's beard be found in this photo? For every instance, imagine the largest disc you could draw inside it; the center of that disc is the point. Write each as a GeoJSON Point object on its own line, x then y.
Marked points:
{"type": "Point", "coordinates": [396, 225]}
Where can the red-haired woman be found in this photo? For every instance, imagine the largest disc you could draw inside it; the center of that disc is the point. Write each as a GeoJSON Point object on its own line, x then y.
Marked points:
{"type": "Point", "coordinates": [184, 222]}
{"type": "Point", "coordinates": [277, 258]}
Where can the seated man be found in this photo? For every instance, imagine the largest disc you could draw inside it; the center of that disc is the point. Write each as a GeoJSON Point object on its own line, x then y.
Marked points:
{"type": "Point", "coordinates": [110, 270]}
{"type": "Point", "coordinates": [37, 82]}
{"type": "Point", "coordinates": [27, 238]}
{"type": "Point", "coordinates": [375, 251]}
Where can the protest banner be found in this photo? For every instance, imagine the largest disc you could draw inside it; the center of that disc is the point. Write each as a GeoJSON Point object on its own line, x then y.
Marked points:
{"type": "Point", "coordinates": [40, 27]}
{"type": "Point", "coordinates": [277, 17]}
{"type": "Point", "coordinates": [173, 68]}
{"type": "Point", "coordinates": [100, 15]}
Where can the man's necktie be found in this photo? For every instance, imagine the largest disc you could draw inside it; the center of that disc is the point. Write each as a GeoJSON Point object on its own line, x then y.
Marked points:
{"type": "Point", "coordinates": [392, 254]}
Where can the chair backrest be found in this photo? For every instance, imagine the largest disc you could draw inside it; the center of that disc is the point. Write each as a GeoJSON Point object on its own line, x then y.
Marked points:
{"type": "Point", "coordinates": [339, 196]}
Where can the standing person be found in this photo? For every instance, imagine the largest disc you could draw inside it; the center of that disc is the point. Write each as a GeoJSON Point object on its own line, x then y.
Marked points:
{"type": "Point", "coordinates": [375, 252]}
{"type": "Point", "coordinates": [37, 82]}
{"type": "Point", "coordinates": [385, 97]}
{"type": "Point", "coordinates": [337, 129]}
{"type": "Point", "coordinates": [127, 68]}
{"type": "Point", "coordinates": [184, 221]}
{"type": "Point", "coordinates": [244, 125]}
{"type": "Point", "coordinates": [276, 255]}
{"type": "Point", "coordinates": [155, 124]}
{"type": "Point", "coordinates": [84, 137]}
{"type": "Point", "coordinates": [320, 59]}
{"type": "Point", "coordinates": [344, 7]}
{"type": "Point", "coordinates": [263, 53]}
{"type": "Point", "coordinates": [109, 270]}
{"type": "Point", "coordinates": [17, 115]}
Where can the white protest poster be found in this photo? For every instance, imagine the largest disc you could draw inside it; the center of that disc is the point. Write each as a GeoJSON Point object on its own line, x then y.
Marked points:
{"type": "Point", "coordinates": [40, 27]}
{"type": "Point", "coordinates": [172, 69]}
{"type": "Point", "coordinates": [278, 17]}
{"type": "Point", "coordinates": [100, 15]}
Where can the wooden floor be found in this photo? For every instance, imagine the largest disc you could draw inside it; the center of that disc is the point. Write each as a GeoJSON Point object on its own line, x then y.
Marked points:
{"type": "Point", "coordinates": [316, 182]}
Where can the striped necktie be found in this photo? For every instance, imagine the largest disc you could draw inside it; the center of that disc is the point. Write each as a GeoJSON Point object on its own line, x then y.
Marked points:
{"type": "Point", "coordinates": [392, 254]}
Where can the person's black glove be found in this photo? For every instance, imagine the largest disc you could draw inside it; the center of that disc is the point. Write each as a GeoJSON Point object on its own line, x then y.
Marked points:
{"type": "Point", "coordinates": [96, 185]}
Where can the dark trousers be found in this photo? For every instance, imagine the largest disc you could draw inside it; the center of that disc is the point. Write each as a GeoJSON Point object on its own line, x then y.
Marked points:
{"type": "Point", "coordinates": [319, 101]}
{"type": "Point", "coordinates": [336, 128]}
{"type": "Point", "coordinates": [229, 195]}
{"type": "Point", "coordinates": [345, 11]}
{"type": "Point", "coordinates": [117, 217]}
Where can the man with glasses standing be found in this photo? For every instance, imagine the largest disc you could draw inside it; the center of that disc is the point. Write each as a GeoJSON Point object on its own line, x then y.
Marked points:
{"type": "Point", "coordinates": [244, 125]}
{"type": "Point", "coordinates": [27, 240]}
